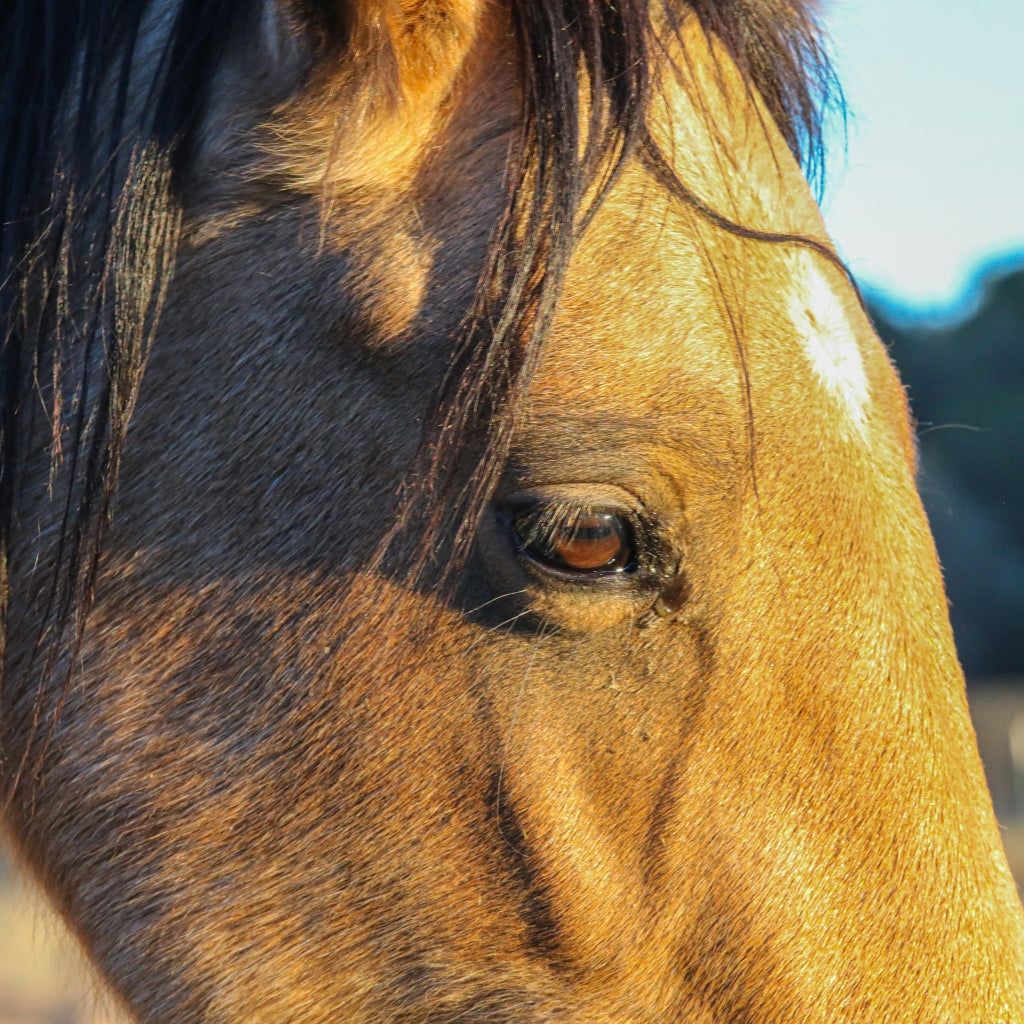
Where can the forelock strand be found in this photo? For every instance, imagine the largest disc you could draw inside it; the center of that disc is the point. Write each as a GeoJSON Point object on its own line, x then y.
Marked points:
{"type": "Point", "coordinates": [91, 142]}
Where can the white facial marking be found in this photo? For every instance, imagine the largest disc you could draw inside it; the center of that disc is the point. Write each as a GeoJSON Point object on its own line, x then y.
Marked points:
{"type": "Point", "coordinates": [830, 341]}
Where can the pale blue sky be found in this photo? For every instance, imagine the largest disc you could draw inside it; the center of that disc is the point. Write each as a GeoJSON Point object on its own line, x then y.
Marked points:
{"type": "Point", "coordinates": [933, 181]}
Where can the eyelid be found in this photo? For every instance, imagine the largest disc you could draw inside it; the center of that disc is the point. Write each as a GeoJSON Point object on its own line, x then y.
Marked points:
{"type": "Point", "coordinates": [550, 534]}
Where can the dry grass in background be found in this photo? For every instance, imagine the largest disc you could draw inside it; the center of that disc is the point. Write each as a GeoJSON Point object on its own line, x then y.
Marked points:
{"type": "Point", "coordinates": [43, 977]}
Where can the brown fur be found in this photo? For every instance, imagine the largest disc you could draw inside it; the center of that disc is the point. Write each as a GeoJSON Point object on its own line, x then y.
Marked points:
{"type": "Point", "coordinates": [284, 786]}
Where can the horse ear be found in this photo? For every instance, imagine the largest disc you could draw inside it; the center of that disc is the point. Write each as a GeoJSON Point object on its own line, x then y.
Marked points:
{"type": "Point", "coordinates": [410, 48]}
{"type": "Point", "coordinates": [378, 75]}
{"type": "Point", "coordinates": [421, 43]}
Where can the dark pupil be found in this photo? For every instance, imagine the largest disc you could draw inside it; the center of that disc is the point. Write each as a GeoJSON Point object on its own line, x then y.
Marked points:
{"type": "Point", "coordinates": [584, 542]}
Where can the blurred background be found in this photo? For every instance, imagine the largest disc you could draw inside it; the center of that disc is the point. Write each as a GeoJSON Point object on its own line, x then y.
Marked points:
{"type": "Point", "coordinates": [926, 204]}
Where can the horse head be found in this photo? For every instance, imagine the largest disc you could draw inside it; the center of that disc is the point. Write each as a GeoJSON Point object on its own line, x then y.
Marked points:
{"type": "Point", "coordinates": [515, 604]}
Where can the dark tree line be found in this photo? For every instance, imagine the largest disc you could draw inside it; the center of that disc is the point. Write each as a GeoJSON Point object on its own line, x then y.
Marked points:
{"type": "Point", "coordinates": [965, 379]}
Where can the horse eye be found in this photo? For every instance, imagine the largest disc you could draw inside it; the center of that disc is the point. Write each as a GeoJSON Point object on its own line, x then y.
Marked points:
{"type": "Point", "coordinates": [577, 542]}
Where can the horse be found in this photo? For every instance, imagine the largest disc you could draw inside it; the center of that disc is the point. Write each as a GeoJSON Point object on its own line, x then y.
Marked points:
{"type": "Point", "coordinates": [462, 560]}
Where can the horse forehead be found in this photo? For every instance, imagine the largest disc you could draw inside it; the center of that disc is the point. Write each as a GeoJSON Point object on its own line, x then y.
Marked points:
{"type": "Point", "coordinates": [663, 308]}
{"type": "Point", "coordinates": [666, 316]}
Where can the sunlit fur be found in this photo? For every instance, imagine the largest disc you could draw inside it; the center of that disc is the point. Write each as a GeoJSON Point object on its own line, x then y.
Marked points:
{"type": "Point", "coordinates": [312, 759]}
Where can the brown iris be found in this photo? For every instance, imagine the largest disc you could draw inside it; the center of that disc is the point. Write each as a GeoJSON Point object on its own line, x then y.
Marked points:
{"type": "Point", "coordinates": [575, 541]}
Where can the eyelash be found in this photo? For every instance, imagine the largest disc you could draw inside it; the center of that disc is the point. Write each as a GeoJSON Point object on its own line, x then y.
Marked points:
{"type": "Point", "coordinates": [576, 541]}
{"type": "Point", "coordinates": [609, 548]}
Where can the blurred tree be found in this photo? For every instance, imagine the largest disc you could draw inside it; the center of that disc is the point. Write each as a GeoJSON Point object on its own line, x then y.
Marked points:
{"type": "Point", "coordinates": [965, 379]}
